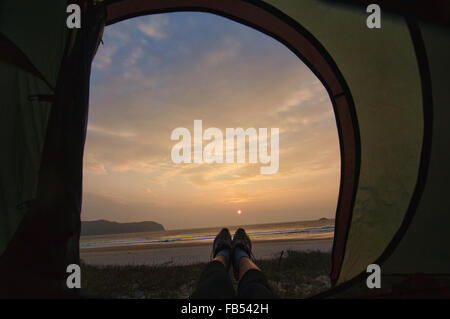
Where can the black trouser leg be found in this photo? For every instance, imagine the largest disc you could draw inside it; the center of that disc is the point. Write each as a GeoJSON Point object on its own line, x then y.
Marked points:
{"type": "Point", "coordinates": [214, 283]}
{"type": "Point", "coordinates": [254, 285]}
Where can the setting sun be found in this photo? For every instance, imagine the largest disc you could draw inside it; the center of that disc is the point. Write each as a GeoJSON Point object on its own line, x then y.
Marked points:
{"type": "Point", "coordinates": [128, 155]}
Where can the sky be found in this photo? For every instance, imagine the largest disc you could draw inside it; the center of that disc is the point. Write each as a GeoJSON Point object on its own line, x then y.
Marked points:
{"type": "Point", "coordinates": [155, 73]}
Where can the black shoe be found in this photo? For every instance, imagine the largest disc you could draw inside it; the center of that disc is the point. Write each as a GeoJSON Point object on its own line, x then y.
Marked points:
{"type": "Point", "coordinates": [242, 241]}
{"type": "Point", "coordinates": [221, 242]}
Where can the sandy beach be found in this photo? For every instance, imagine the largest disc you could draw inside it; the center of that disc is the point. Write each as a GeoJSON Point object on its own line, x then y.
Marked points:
{"type": "Point", "coordinates": [190, 253]}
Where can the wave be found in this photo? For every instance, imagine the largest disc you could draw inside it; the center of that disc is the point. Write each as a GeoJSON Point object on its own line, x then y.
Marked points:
{"type": "Point", "coordinates": [135, 241]}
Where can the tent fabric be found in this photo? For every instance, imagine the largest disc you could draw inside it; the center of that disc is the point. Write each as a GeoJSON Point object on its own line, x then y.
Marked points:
{"type": "Point", "coordinates": [23, 115]}
{"type": "Point", "coordinates": [388, 86]}
{"type": "Point", "coordinates": [386, 89]}
{"type": "Point", "coordinates": [22, 129]}
{"type": "Point", "coordinates": [43, 172]}
{"type": "Point", "coordinates": [32, 26]}
{"type": "Point", "coordinates": [423, 246]}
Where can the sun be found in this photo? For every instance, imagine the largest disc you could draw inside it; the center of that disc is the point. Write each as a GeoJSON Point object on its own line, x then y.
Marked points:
{"type": "Point", "coordinates": [239, 212]}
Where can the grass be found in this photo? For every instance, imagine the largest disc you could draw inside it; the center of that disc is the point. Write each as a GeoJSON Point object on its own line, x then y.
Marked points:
{"type": "Point", "coordinates": [294, 275]}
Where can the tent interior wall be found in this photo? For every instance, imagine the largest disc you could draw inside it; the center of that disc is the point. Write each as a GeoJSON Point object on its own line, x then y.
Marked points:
{"type": "Point", "coordinates": [389, 89]}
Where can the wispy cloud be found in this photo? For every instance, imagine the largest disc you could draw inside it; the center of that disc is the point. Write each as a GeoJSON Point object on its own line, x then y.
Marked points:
{"type": "Point", "coordinates": [104, 56]}
{"type": "Point", "coordinates": [98, 129]}
{"type": "Point", "coordinates": [135, 55]}
{"type": "Point", "coordinates": [155, 26]}
{"type": "Point", "coordinates": [92, 165]}
{"type": "Point", "coordinates": [228, 50]}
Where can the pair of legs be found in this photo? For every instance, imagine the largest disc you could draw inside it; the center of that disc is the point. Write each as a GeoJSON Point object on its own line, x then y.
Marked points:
{"type": "Point", "coordinates": [215, 281]}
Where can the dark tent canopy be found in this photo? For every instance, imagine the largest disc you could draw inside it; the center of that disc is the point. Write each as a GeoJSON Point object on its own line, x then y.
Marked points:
{"type": "Point", "coordinates": [388, 86]}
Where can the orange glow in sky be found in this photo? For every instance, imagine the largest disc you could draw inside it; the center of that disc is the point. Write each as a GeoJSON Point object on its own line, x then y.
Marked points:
{"type": "Point", "coordinates": [159, 72]}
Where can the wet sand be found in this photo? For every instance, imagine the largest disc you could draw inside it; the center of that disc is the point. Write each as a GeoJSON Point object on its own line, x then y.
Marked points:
{"type": "Point", "coordinates": [195, 252]}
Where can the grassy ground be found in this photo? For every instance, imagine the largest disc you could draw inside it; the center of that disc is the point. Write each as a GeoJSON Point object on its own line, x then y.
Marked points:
{"type": "Point", "coordinates": [294, 275]}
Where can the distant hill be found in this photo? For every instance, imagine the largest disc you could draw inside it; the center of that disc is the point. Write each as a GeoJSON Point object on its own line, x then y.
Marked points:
{"type": "Point", "coordinates": [105, 227]}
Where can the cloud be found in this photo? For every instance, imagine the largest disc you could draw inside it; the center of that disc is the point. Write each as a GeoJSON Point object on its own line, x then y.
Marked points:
{"type": "Point", "coordinates": [121, 151]}
{"type": "Point", "coordinates": [103, 58]}
{"type": "Point", "coordinates": [227, 51]}
{"type": "Point", "coordinates": [94, 128]}
{"type": "Point", "coordinates": [134, 57]}
{"type": "Point", "coordinates": [116, 35]}
{"type": "Point", "coordinates": [155, 26]}
{"type": "Point", "coordinates": [92, 165]}
{"type": "Point", "coordinates": [304, 94]}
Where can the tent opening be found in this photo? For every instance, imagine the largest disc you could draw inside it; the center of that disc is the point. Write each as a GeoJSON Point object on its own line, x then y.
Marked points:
{"type": "Point", "coordinates": [201, 73]}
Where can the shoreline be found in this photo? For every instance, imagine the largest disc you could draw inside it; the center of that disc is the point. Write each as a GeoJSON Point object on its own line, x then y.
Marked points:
{"type": "Point", "coordinates": [186, 244]}
{"type": "Point", "coordinates": [195, 252]}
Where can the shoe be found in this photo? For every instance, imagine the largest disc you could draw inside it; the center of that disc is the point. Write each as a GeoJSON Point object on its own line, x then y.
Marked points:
{"type": "Point", "coordinates": [221, 242]}
{"type": "Point", "coordinates": [242, 241]}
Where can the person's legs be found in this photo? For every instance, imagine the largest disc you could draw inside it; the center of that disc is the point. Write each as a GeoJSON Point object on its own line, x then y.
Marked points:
{"type": "Point", "coordinates": [252, 282]}
{"type": "Point", "coordinates": [215, 282]}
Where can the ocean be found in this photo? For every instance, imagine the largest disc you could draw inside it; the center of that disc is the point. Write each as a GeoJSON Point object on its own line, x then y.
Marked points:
{"type": "Point", "coordinates": [260, 232]}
